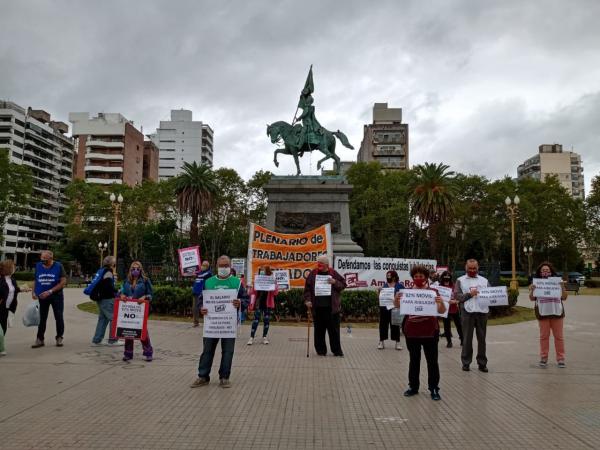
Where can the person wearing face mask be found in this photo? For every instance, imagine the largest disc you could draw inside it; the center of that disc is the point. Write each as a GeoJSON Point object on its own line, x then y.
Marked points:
{"type": "Point", "coordinates": [223, 280]}
{"type": "Point", "coordinates": [445, 280]}
{"type": "Point", "coordinates": [550, 313]}
{"type": "Point", "coordinates": [106, 291]}
{"type": "Point", "coordinates": [325, 308]}
{"type": "Point", "coordinates": [385, 315]}
{"type": "Point", "coordinates": [422, 331]}
{"type": "Point", "coordinates": [49, 281]}
{"type": "Point", "coordinates": [203, 275]}
{"type": "Point", "coordinates": [263, 304]}
{"type": "Point", "coordinates": [137, 285]}
{"type": "Point", "coordinates": [8, 297]}
{"type": "Point", "coordinates": [473, 315]}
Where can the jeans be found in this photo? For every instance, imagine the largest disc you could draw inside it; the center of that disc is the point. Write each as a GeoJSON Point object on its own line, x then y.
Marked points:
{"type": "Point", "coordinates": [105, 316]}
{"type": "Point", "coordinates": [266, 313]}
{"type": "Point", "coordinates": [147, 349]}
{"type": "Point", "coordinates": [58, 305]}
{"type": "Point", "coordinates": [385, 323]}
{"type": "Point", "coordinates": [430, 348]}
{"type": "Point", "coordinates": [208, 354]}
{"type": "Point", "coordinates": [326, 321]}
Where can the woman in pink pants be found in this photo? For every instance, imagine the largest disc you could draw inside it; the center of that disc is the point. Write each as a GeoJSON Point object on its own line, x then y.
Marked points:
{"type": "Point", "coordinates": [550, 314]}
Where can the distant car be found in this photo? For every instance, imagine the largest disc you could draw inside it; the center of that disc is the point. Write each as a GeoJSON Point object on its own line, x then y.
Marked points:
{"type": "Point", "coordinates": [576, 277]}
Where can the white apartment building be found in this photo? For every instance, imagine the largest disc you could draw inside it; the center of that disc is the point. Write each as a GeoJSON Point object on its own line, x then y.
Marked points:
{"type": "Point", "coordinates": [551, 160]}
{"type": "Point", "coordinates": [39, 143]}
{"type": "Point", "coordinates": [182, 140]}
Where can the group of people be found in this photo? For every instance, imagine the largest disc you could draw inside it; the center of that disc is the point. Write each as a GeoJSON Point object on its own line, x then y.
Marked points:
{"type": "Point", "coordinates": [324, 307]}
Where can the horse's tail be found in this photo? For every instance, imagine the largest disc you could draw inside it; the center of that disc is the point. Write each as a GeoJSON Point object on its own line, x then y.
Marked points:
{"type": "Point", "coordinates": [343, 139]}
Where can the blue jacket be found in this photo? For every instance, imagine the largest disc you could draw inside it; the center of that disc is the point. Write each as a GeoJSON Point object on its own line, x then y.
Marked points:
{"type": "Point", "coordinates": [201, 277]}
{"type": "Point", "coordinates": [143, 287]}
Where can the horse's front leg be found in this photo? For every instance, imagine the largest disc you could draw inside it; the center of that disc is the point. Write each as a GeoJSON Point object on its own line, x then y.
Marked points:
{"type": "Point", "coordinates": [275, 157]}
{"type": "Point", "coordinates": [297, 164]}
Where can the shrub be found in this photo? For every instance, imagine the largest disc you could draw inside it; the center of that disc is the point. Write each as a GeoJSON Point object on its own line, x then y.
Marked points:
{"type": "Point", "coordinates": [523, 281]}
{"type": "Point", "coordinates": [24, 276]}
{"type": "Point", "coordinates": [172, 300]}
{"type": "Point", "coordinates": [592, 283]}
{"type": "Point", "coordinates": [501, 311]}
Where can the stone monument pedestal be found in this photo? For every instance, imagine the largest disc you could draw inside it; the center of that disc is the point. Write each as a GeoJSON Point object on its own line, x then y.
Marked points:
{"type": "Point", "coordinates": [300, 203]}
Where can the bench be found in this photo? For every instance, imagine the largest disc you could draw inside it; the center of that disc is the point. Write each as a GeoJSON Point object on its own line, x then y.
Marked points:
{"type": "Point", "coordinates": [573, 287]}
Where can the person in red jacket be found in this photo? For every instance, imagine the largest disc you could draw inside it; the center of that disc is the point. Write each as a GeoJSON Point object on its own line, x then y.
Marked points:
{"type": "Point", "coordinates": [262, 303]}
{"type": "Point", "coordinates": [322, 292]}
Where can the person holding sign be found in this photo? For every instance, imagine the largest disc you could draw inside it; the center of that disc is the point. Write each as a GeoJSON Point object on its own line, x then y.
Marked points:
{"type": "Point", "coordinates": [105, 292]}
{"type": "Point", "coordinates": [392, 286]}
{"type": "Point", "coordinates": [474, 314]}
{"type": "Point", "coordinates": [197, 288]}
{"type": "Point", "coordinates": [322, 292]}
{"type": "Point", "coordinates": [262, 301]}
{"type": "Point", "coordinates": [445, 280]}
{"type": "Point", "coordinates": [137, 286]}
{"type": "Point", "coordinates": [226, 281]}
{"type": "Point", "coordinates": [422, 331]}
{"type": "Point", "coordinates": [548, 292]}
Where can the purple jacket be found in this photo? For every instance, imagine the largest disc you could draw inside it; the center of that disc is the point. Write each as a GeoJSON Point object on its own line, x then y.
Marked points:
{"type": "Point", "coordinates": [336, 289]}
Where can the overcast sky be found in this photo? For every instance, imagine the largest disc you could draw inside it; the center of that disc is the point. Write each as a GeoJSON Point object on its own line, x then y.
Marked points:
{"type": "Point", "coordinates": [482, 84]}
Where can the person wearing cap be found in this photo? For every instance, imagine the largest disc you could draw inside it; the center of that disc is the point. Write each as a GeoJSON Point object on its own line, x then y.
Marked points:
{"type": "Point", "coordinates": [385, 315]}
{"type": "Point", "coordinates": [325, 308]}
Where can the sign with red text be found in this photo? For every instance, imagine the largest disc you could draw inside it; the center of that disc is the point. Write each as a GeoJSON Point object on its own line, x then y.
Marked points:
{"type": "Point", "coordinates": [130, 319]}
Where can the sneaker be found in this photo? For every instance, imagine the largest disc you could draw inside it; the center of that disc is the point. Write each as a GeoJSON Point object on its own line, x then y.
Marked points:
{"type": "Point", "coordinates": [38, 344]}
{"type": "Point", "coordinates": [96, 344]}
{"type": "Point", "coordinates": [449, 344]}
{"type": "Point", "coordinates": [410, 392]}
{"type": "Point", "coordinates": [59, 342]}
{"type": "Point", "coordinates": [200, 382]}
{"type": "Point", "coordinates": [127, 358]}
{"type": "Point", "coordinates": [543, 363]}
{"type": "Point", "coordinates": [196, 325]}
{"type": "Point", "coordinates": [114, 343]}
{"type": "Point", "coordinates": [398, 346]}
{"type": "Point", "coordinates": [466, 367]}
{"type": "Point", "coordinates": [435, 395]}
{"type": "Point", "coordinates": [225, 383]}
{"type": "Point", "coordinates": [561, 364]}
{"type": "Point", "coordinates": [265, 341]}
{"type": "Point", "coordinates": [148, 358]}
{"type": "Point", "coordinates": [483, 369]}
{"type": "Point", "coordinates": [2, 353]}
{"type": "Point", "coordinates": [250, 341]}
{"type": "Point", "coordinates": [380, 345]}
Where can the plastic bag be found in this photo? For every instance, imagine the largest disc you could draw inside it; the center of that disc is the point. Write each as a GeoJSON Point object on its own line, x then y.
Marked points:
{"type": "Point", "coordinates": [10, 320]}
{"type": "Point", "coordinates": [31, 318]}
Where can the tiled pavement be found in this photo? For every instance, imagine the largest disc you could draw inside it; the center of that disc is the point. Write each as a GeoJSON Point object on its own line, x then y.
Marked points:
{"type": "Point", "coordinates": [83, 397]}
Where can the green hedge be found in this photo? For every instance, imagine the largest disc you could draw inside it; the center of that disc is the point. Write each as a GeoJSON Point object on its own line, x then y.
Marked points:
{"type": "Point", "coordinates": [523, 281]}
{"type": "Point", "coordinates": [592, 283]}
{"type": "Point", "coordinates": [501, 311]}
{"type": "Point", "coordinates": [24, 276]}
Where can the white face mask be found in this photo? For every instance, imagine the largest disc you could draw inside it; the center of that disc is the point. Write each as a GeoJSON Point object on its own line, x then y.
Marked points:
{"type": "Point", "coordinates": [223, 271]}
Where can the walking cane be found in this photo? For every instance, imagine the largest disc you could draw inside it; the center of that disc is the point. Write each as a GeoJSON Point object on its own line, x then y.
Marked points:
{"type": "Point", "coordinates": [308, 320]}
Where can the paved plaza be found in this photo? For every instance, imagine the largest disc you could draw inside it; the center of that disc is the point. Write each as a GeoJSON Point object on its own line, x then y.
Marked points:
{"type": "Point", "coordinates": [85, 397]}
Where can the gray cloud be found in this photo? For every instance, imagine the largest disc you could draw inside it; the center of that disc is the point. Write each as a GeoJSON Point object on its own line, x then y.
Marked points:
{"type": "Point", "coordinates": [482, 84]}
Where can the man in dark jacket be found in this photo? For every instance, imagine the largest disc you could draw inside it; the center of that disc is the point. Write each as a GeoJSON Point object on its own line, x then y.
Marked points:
{"type": "Point", "coordinates": [322, 292]}
{"type": "Point", "coordinates": [201, 276]}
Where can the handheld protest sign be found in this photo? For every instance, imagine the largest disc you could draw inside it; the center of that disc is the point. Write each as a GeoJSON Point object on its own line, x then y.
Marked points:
{"type": "Point", "coordinates": [130, 319]}
{"type": "Point", "coordinates": [189, 261]}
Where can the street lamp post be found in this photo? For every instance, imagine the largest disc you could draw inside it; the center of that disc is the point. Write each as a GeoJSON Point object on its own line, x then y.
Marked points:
{"type": "Point", "coordinates": [116, 205]}
{"type": "Point", "coordinates": [529, 253]}
{"type": "Point", "coordinates": [512, 207]}
{"type": "Point", "coordinates": [102, 247]}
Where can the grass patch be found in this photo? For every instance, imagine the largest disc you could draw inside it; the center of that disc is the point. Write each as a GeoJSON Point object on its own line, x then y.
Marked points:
{"type": "Point", "coordinates": [520, 314]}
{"type": "Point", "coordinates": [586, 291]}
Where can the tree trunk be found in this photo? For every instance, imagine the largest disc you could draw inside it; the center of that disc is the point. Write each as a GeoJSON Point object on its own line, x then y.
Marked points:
{"type": "Point", "coordinates": [194, 229]}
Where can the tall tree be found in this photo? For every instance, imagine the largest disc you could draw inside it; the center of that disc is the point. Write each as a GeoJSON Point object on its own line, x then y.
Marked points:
{"type": "Point", "coordinates": [195, 189]}
{"type": "Point", "coordinates": [16, 186]}
{"type": "Point", "coordinates": [432, 198]}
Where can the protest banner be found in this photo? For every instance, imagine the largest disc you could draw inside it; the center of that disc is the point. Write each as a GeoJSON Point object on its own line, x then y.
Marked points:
{"type": "Point", "coordinates": [282, 278]}
{"type": "Point", "coordinates": [189, 261]}
{"type": "Point", "coordinates": [297, 253]}
{"type": "Point", "coordinates": [446, 294]}
{"type": "Point", "coordinates": [441, 269]}
{"type": "Point", "coordinates": [418, 302]}
{"type": "Point", "coordinates": [130, 319]}
{"type": "Point", "coordinates": [547, 287]}
{"type": "Point", "coordinates": [239, 265]}
{"type": "Point", "coordinates": [369, 273]}
{"type": "Point", "coordinates": [322, 285]}
{"type": "Point", "coordinates": [221, 319]}
{"type": "Point", "coordinates": [493, 296]}
{"type": "Point", "coordinates": [264, 283]}
{"type": "Point", "coordinates": [386, 297]}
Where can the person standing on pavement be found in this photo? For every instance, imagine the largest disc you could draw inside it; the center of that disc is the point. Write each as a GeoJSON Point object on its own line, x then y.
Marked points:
{"type": "Point", "coordinates": [201, 276]}
{"type": "Point", "coordinates": [49, 281]}
{"type": "Point", "coordinates": [473, 314]}
{"type": "Point", "coordinates": [445, 280]}
{"type": "Point", "coordinates": [550, 313]}
{"type": "Point", "coordinates": [385, 315]}
{"type": "Point", "coordinates": [263, 304]}
{"type": "Point", "coordinates": [106, 292]}
{"type": "Point", "coordinates": [422, 331]}
{"type": "Point", "coordinates": [223, 280]}
{"type": "Point", "coordinates": [325, 308]}
{"type": "Point", "coordinates": [8, 297]}
{"type": "Point", "coordinates": [137, 286]}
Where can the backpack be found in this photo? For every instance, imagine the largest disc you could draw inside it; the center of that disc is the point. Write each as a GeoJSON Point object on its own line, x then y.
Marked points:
{"type": "Point", "coordinates": [90, 289]}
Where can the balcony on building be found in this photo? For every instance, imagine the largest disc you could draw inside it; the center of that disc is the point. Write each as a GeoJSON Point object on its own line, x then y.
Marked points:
{"type": "Point", "coordinates": [95, 167]}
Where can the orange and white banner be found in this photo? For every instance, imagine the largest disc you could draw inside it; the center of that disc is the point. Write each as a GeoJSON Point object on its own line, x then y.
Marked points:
{"type": "Point", "coordinates": [296, 253]}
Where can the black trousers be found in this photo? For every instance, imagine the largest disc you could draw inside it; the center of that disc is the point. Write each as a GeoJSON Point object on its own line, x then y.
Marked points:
{"type": "Point", "coordinates": [474, 322]}
{"type": "Point", "coordinates": [385, 322]}
{"type": "Point", "coordinates": [454, 317]}
{"type": "Point", "coordinates": [58, 306]}
{"type": "Point", "coordinates": [326, 321]}
{"type": "Point", "coordinates": [3, 317]}
{"type": "Point", "coordinates": [430, 348]}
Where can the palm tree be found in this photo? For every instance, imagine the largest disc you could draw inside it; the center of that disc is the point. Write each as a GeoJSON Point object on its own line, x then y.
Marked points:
{"type": "Point", "coordinates": [195, 188]}
{"type": "Point", "coordinates": [432, 198]}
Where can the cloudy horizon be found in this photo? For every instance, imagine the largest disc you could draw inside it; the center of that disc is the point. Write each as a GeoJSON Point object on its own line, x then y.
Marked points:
{"type": "Point", "coordinates": [481, 84]}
